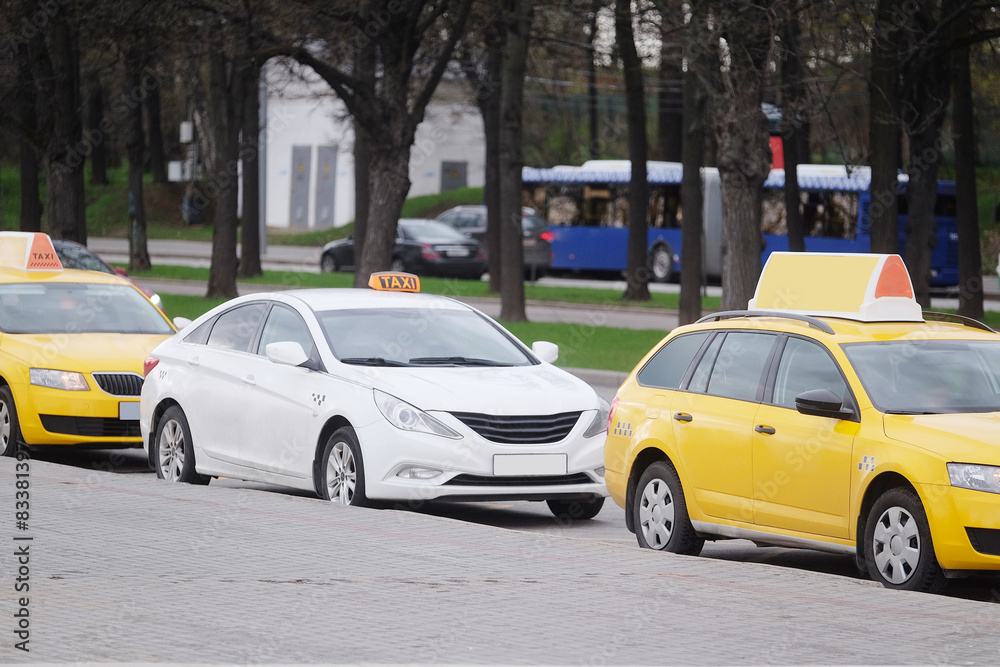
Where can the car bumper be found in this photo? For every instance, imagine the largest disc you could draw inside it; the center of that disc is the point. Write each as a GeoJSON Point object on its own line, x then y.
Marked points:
{"type": "Point", "coordinates": [467, 467]}
{"type": "Point", "coordinates": [451, 268]}
{"type": "Point", "coordinates": [57, 417]}
{"type": "Point", "coordinates": [951, 512]}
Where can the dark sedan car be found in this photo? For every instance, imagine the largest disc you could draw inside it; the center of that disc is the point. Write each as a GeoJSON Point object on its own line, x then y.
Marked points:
{"type": "Point", "coordinates": [424, 247]}
{"type": "Point", "coordinates": [536, 240]}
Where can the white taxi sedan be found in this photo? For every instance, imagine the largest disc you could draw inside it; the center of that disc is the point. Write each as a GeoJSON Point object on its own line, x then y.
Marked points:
{"type": "Point", "coordinates": [364, 395]}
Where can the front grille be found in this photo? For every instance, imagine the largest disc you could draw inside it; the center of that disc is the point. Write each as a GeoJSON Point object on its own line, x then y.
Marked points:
{"type": "Point", "coordinates": [985, 540]}
{"type": "Point", "coordinates": [520, 430]}
{"type": "Point", "coordinates": [119, 384]}
{"type": "Point", "coordinates": [94, 427]}
{"type": "Point", "coordinates": [533, 480]}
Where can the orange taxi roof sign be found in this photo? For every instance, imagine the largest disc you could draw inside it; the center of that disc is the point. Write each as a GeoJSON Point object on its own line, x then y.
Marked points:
{"type": "Point", "coordinates": [863, 287]}
{"type": "Point", "coordinates": [28, 251]}
{"type": "Point", "coordinates": [394, 281]}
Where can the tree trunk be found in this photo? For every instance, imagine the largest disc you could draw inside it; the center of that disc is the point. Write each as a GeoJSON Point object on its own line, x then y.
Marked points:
{"type": "Point", "coordinates": [970, 261]}
{"type": "Point", "coordinates": [31, 203]}
{"type": "Point", "coordinates": [364, 65]}
{"type": "Point", "coordinates": [883, 119]}
{"type": "Point", "coordinates": [226, 80]}
{"type": "Point", "coordinates": [489, 101]}
{"type": "Point", "coordinates": [670, 128]}
{"type": "Point", "coordinates": [692, 223]}
{"type": "Point", "coordinates": [63, 158]}
{"type": "Point", "coordinates": [517, 15]}
{"type": "Point", "coordinates": [138, 254]}
{"type": "Point", "coordinates": [636, 273]}
{"type": "Point", "coordinates": [792, 87]}
{"type": "Point", "coordinates": [595, 136]}
{"type": "Point", "coordinates": [157, 158]}
{"type": "Point", "coordinates": [389, 185]}
{"type": "Point", "coordinates": [98, 148]}
{"type": "Point", "coordinates": [250, 158]}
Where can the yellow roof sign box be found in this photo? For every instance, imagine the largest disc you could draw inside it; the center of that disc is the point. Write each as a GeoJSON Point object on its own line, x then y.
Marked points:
{"type": "Point", "coordinates": [393, 281]}
{"type": "Point", "coordinates": [28, 251]}
{"type": "Point", "coordinates": [864, 287]}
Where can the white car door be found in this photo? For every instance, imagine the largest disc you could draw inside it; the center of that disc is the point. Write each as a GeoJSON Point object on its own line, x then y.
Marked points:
{"type": "Point", "coordinates": [282, 403]}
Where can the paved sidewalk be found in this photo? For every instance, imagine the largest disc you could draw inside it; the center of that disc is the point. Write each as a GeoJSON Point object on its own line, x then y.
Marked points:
{"type": "Point", "coordinates": [127, 568]}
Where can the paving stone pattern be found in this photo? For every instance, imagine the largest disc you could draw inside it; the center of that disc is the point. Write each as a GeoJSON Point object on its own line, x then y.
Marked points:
{"type": "Point", "coordinates": [128, 568]}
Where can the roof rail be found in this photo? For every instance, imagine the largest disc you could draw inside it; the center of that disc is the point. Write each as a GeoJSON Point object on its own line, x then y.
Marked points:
{"type": "Point", "coordinates": [958, 319]}
{"type": "Point", "coordinates": [729, 314]}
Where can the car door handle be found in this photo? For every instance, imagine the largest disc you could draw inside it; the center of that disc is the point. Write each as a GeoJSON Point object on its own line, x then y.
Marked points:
{"type": "Point", "coordinates": [760, 428]}
{"type": "Point", "coordinates": [682, 417]}
{"type": "Point", "coordinates": [194, 361]}
{"type": "Point", "coordinates": [248, 379]}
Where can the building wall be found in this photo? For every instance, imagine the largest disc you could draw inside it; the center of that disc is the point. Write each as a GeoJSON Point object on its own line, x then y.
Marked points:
{"type": "Point", "coordinates": [301, 111]}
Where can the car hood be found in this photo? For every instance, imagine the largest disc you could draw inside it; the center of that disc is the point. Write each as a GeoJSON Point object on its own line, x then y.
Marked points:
{"type": "Point", "coordinates": [968, 437]}
{"type": "Point", "coordinates": [520, 390]}
{"type": "Point", "coordinates": [82, 352]}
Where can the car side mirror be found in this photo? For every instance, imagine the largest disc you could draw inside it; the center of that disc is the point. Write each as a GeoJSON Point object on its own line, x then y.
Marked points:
{"type": "Point", "coordinates": [822, 403]}
{"type": "Point", "coordinates": [181, 322]}
{"type": "Point", "coordinates": [546, 351]}
{"type": "Point", "coordinates": [287, 353]}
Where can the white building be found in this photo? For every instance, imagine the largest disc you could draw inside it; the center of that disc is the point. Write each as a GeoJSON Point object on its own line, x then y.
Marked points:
{"type": "Point", "coordinates": [308, 159]}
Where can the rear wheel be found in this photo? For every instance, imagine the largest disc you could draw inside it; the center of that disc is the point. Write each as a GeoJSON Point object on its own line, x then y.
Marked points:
{"type": "Point", "coordinates": [398, 265]}
{"type": "Point", "coordinates": [898, 547]}
{"type": "Point", "coordinates": [661, 264]}
{"type": "Point", "coordinates": [329, 263]}
{"type": "Point", "coordinates": [660, 513]}
{"type": "Point", "coordinates": [578, 510]}
{"type": "Point", "coordinates": [10, 432]}
{"type": "Point", "coordinates": [174, 451]}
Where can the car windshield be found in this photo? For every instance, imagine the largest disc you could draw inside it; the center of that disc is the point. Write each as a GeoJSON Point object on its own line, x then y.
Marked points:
{"type": "Point", "coordinates": [532, 223]}
{"type": "Point", "coordinates": [430, 230]}
{"type": "Point", "coordinates": [73, 256]}
{"type": "Point", "coordinates": [927, 377]}
{"type": "Point", "coordinates": [418, 337]}
{"type": "Point", "coordinates": [48, 308]}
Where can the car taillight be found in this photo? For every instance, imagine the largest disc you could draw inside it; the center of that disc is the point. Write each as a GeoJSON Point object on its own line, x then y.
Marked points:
{"type": "Point", "coordinates": [148, 365]}
{"type": "Point", "coordinates": [480, 255]}
{"type": "Point", "coordinates": [611, 413]}
{"type": "Point", "coordinates": [427, 250]}
{"type": "Point", "coordinates": [547, 236]}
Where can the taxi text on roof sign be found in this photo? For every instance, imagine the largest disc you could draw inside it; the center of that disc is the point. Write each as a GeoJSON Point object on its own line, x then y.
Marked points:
{"type": "Point", "coordinates": [390, 281]}
{"type": "Point", "coordinates": [28, 251]}
{"type": "Point", "coordinates": [863, 287]}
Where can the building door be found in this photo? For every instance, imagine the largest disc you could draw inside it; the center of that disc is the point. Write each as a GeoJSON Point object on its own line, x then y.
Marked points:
{"type": "Point", "coordinates": [326, 179]}
{"type": "Point", "coordinates": [454, 175]}
{"type": "Point", "coordinates": [298, 213]}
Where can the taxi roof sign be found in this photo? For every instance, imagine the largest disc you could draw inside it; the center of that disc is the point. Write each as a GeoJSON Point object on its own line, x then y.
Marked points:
{"type": "Point", "coordinates": [394, 281]}
{"type": "Point", "coordinates": [863, 287]}
{"type": "Point", "coordinates": [28, 251]}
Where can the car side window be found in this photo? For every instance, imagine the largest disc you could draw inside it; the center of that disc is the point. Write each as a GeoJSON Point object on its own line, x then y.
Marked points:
{"type": "Point", "coordinates": [199, 336]}
{"type": "Point", "coordinates": [738, 369]}
{"type": "Point", "coordinates": [805, 366]}
{"type": "Point", "coordinates": [235, 329]}
{"type": "Point", "coordinates": [284, 324]}
{"type": "Point", "coordinates": [667, 367]}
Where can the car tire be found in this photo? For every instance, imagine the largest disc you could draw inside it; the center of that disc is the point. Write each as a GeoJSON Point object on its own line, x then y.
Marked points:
{"type": "Point", "coordinates": [10, 430]}
{"type": "Point", "coordinates": [661, 264]}
{"type": "Point", "coordinates": [398, 265]}
{"type": "Point", "coordinates": [575, 510]}
{"type": "Point", "coordinates": [898, 548]}
{"type": "Point", "coordinates": [173, 450]}
{"type": "Point", "coordinates": [342, 470]}
{"type": "Point", "coordinates": [328, 264]}
{"type": "Point", "coordinates": [660, 513]}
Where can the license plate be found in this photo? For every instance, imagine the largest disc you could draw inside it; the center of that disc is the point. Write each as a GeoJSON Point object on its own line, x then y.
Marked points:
{"type": "Point", "coordinates": [529, 242]}
{"type": "Point", "coordinates": [529, 464]}
{"type": "Point", "coordinates": [129, 411]}
{"type": "Point", "coordinates": [456, 253]}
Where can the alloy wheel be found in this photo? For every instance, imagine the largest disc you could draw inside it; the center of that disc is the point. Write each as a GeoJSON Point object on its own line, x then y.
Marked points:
{"type": "Point", "coordinates": [341, 474]}
{"type": "Point", "coordinates": [171, 451]}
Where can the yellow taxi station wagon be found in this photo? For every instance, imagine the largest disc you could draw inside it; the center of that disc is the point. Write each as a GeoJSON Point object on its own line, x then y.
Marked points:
{"type": "Point", "coordinates": [72, 345]}
{"type": "Point", "coordinates": [832, 414]}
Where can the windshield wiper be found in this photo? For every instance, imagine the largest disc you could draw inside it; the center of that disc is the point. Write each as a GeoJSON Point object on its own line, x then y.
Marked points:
{"type": "Point", "coordinates": [372, 361]}
{"type": "Point", "coordinates": [913, 412]}
{"type": "Point", "coordinates": [457, 361]}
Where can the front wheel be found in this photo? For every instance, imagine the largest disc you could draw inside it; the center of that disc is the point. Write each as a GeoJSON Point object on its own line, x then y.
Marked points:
{"type": "Point", "coordinates": [10, 432]}
{"type": "Point", "coordinates": [570, 510]}
{"type": "Point", "coordinates": [661, 264]}
{"type": "Point", "coordinates": [660, 513]}
{"type": "Point", "coordinates": [898, 547]}
{"type": "Point", "coordinates": [398, 265]}
{"type": "Point", "coordinates": [328, 264]}
{"type": "Point", "coordinates": [342, 471]}
{"type": "Point", "coordinates": [173, 452]}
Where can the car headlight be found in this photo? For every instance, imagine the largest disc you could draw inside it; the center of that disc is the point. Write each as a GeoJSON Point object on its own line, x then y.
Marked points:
{"type": "Point", "coordinates": [975, 477]}
{"type": "Point", "coordinates": [600, 423]}
{"type": "Point", "coordinates": [68, 380]}
{"type": "Point", "coordinates": [405, 417]}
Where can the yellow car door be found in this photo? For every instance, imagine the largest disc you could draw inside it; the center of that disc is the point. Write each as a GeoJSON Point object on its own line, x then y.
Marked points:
{"type": "Point", "coordinates": [801, 462]}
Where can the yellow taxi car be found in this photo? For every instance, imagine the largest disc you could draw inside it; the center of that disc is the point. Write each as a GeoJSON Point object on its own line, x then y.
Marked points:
{"type": "Point", "coordinates": [831, 415]}
{"type": "Point", "coordinates": [72, 345]}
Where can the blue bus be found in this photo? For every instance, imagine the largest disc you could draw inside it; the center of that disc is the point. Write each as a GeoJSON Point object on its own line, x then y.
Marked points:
{"type": "Point", "coordinates": [587, 211]}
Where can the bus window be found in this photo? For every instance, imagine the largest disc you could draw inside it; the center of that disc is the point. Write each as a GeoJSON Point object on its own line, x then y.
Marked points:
{"type": "Point", "coordinates": [825, 214]}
